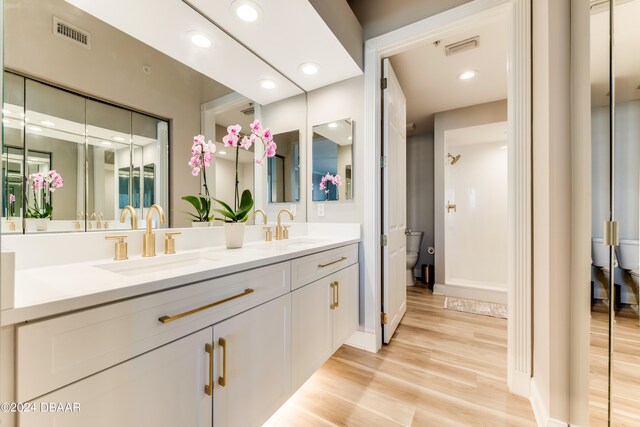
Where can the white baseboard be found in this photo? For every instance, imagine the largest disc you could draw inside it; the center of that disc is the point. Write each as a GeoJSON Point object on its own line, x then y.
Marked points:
{"type": "Point", "coordinates": [477, 293]}
{"type": "Point", "coordinates": [540, 411]}
{"type": "Point", "coordinates": [364, 341]}
{"type": "Point", "coordinates": [520, 383]}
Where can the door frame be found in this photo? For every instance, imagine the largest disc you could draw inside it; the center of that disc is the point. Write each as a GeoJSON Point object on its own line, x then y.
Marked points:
{"type": "Point", "coordinates": [520, 172]}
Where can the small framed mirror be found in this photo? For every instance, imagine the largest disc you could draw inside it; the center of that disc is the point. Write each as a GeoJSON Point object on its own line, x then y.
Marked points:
{"type": "Point", "coordinates": [283, 173]}
{"type": "Point", "coordinates": [332, 152]}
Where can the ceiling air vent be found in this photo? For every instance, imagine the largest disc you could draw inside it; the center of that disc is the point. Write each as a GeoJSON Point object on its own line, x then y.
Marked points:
{"type": "Point", "coordinates": [461, 46]}
{"type": "Point", "coordinates": [71, 32]}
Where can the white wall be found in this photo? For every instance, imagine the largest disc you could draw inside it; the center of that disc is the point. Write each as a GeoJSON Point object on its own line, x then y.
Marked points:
{"type": "Point", "coordinates": [475, 115]}
{"type": "Point", "coordinates": [331, 103]}
{"type": "Point", "coordinates": [551, 209]}
{"type": "Point", "coordinates": [476, 233]}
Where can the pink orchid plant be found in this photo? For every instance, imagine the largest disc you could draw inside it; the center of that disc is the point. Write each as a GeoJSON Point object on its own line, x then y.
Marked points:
{"type": "Point", "coordinates": [242, 204]}
{"type": "Point", "coordinates": [42, 185]}
{"type": "Point", "coordinates": [201, 157]}
{"type": "Point", "coordinates": [330, 179]}
{"type": "Point", "coordinates": [12, 201]}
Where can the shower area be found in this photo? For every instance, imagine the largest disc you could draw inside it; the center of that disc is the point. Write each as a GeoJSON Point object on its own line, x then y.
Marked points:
{"type": "Point", "coordinates": [475, 219]}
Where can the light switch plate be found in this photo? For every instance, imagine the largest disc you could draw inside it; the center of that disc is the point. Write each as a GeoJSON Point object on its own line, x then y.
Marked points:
{"type": "Point", "coordinates": [320, 209]}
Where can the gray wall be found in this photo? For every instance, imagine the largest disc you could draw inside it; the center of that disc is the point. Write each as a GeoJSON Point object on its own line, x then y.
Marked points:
{"type": "Point", "coordinates": [112, 70]}
{"type": "Point", "coordinates": [475, 115]}
{"type": "Point", "coordinates": [381, 16]}
{"type": "Point", "coordinates": [420, 186]}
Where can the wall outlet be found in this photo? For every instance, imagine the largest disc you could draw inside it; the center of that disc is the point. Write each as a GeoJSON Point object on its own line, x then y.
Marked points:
{"type": "Point", "coordinates": [320, 209]}
{"type": "Point", "coordinates": [294, 209]}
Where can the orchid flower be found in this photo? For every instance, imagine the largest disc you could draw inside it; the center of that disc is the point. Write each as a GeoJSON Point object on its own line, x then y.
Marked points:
{"type": "Point", "coordinates": [328, 178]}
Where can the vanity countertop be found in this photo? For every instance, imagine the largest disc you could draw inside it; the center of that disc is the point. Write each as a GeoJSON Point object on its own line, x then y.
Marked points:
{"type": "Point", "coordinates": [55, 289]}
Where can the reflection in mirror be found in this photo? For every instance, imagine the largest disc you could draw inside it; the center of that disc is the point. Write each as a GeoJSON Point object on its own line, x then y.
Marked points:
{"type": "Point", "coordinates": [332, 161]}
{"type": "Point", "coordinates": [55, 144]}
{"type": "Point", "coordinates": [283, 174]}
{"type": "Point", "coordinates": [226, 157]}
{"type": "Point", "coordinates": [12, 153]}
{"type": "Point", "coordinates": [116, 70]}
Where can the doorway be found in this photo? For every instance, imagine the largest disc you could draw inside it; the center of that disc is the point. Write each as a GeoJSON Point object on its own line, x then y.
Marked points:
{"type": "Point", "coordinates": [518, 108]}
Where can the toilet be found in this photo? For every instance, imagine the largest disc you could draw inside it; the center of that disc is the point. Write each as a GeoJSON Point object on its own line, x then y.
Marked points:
{"type": "Point", "coordinates": [628, 255]}
{"type": "Point", "coordinates": [414, 240]}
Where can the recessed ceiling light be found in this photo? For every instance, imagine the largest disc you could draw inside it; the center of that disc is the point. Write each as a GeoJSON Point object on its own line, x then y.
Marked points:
{"type": "Point", "coordinates": [309, 68]}
{"type": "Point", "coordinates": [222, 153]}
{"type": "Point", "coordinates": [246, 10]}
{"type": "Point", "coordinates": [199, 39]}
{"type": "Point", "coordinates": [503, 147]}
{"type": "Point", "coordinates": [349, 138]}
{"type": "Point", "coordinates": [466, 75]}
{"type": "Point", "coordinates": [48, 123]}
{"type": "Point", "coordinates": [106, 143]}
{"type": "Point", "coordinates": [118, 138]}
{"type": "Point", "coordinates": [333, 125]}
{"type": "Point", "coordinates": [267, 84]}
{"type": "Point", "coordinates": [34, 128]}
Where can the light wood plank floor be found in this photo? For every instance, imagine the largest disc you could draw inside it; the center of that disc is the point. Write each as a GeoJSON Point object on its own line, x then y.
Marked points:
{"type": "Point", "coordinates": [626, 368]}
{"type": "Point", "coordinates": [443, 368]}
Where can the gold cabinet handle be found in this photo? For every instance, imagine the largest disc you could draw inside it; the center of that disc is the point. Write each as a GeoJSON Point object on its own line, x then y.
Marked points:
{"type": "Point", "coordinates": [333, 295]}
{"type": "Point", "coordinates": [332, 262]}
{"type": "Point", "coordinates": [167, 319]}
{"type": "Point", "coordinates": [223, 378]}
{"type": "Point", "coordinates": [208, 388]}
{"type": "Point", "coordinates": [337, 304]}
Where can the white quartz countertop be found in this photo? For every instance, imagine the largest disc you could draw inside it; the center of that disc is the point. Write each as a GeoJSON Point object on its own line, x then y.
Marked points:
{"type": "Point", "coordinates": [55, 289]}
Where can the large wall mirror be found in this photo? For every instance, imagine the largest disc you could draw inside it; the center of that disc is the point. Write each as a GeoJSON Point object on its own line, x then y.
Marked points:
{"type": "Point", "coordinates": [72, 162]}
{"type": "Point", "coordinates": [614, 372]}
{"type": "Point", "coordinates": [332, 152]}
{"type": "Point", "coordinates": [283, 175]}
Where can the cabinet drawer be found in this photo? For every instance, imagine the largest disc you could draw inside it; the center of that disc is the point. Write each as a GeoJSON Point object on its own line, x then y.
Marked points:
{"type": "Point", "coordinates": [313, 267]}
{"type": "Point", "coordinates": [56, 352]}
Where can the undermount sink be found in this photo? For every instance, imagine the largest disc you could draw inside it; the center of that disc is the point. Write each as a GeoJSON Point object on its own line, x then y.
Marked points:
{"type": "Point", "coordinates": [295, 243]}
{"type": "Point", "coordinates": [159, 263]}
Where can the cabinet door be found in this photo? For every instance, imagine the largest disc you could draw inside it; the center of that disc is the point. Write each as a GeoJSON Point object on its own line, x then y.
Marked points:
{"type": "Point", "coordinates": [346, 314]}
{"type": "Point", "coordinates": [255, 348]}
{"type": "Point", "coordinates": [310, 329]}
{"type": "Point", "coordinates": [161, 388]}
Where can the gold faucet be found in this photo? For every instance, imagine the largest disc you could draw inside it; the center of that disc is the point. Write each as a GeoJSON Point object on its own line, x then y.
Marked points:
{"type": "Point", "coordinates": [264, 215]}
{"type": "Point", "coordinates": [134, 216]}
{"type": "Point", "coordinates": [149, 242]}
{"type": "Point", "coordinates": [279, 228]}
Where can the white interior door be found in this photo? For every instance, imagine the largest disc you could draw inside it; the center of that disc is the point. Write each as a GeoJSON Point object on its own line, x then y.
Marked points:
{"type": "Point", "coordinates": [394, 195]}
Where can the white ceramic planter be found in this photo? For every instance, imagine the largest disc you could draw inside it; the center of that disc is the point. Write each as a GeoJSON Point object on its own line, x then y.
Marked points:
{"type": "Point", "coordinates": [234, 234]}
{"type": "Point", "coordinates": [40, 224]}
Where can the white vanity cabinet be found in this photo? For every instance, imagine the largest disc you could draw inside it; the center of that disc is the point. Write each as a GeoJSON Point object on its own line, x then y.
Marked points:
{"type": "Point", "coordinates": [325, 315]}
{"type": "Point", "coordinates": [253, 364]}
{"type": "Point", "coordinates": [161, 388]}
{"type": "Point", "coordinates": [223, 352]}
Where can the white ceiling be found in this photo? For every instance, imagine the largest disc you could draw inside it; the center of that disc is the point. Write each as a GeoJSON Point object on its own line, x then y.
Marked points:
{"type": "Point", "coordinates": [288, 34]}
{"type": "Point", "coordinates": [341, 133]}
{"type": "Point", "coordinates": [627, 59]}
{"type": "Point", "coordinates": [429, 78]}
{"type": "Point", "coordinates": [165, 25]}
